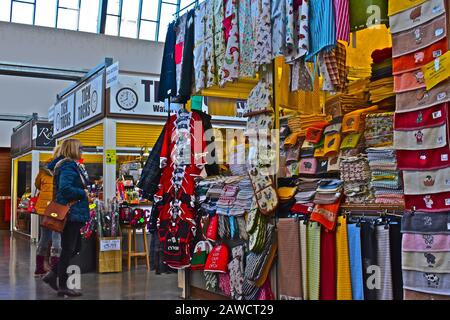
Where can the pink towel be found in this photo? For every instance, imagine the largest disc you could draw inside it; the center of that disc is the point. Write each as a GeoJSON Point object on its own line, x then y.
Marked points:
{"type": "Point", "coordinates": [426, 242]}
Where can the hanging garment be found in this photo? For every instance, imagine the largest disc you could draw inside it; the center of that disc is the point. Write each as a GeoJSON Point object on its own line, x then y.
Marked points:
{"type": "Point", "coordinates": [246, 26]}
{"type": "Point", "coordinates": [416, 60]}
{"type": "Point", "coordinates": [342, 13]}
{"type": "Point", "coordinates": [278, 19]}
{"type": "Point", "coordinates": [167, 79]}
{"type": "Point", "coordinates": [236, 267]}
{"type": "Point", "coordinates": [368, 13]}
{"type": "Point", "coordinates": [211, 67]}
{"type": "Point", "coordinates": [425, 223]}
{"type": "Point", "coordinates": [328, 265]}
{"type": "Point", "coordinates": [425, 242]}
{"type": "Point", "coordinates": [313, 260]}
{"type": "Point", "coordinates": [369, 261]}
{"type": "Point", "coordinates": [430, 262]}
{"type": "Point", "coordinates": [343, 282]}
{"type": "Point", "coordinates": [322, 27]}
{"type": "Point", "coordinates": [219, 40]}
{"type": "Point", "coordinates": [199, 47]}
{"type": "Point", "coordinates": [297, 30]}
{"type": "Point", "coordinates": [327, 75]}
{"type": "Point", "coordinates": [399, 6]}
{"type": "Point", "coordinates": [301, 78]}
{"type": "Point", "coordinates": [354, 245]}
{"type": "Point", "coordinates": [304, 258]}
{"type": "Point", "coordinates": [422, 139]}
{"type": "Point", "coordinates": [438, 202]}
{"type": "Point", "coordinates": [423, 159]}
{"type": "Point", "coordinates": [384, 262]}
{"type": "Point", "coordinates": [326, 214]}
{"type": "Point", "coordinates": [420, 37]}
{"type": "Point", "coordinates": [426, 182]}
{"type": "Point", "coordinates": [395, 239]}
{"type": "Point", "coordinates": [289, 269]}
{"type": "Point", "coordinates": [230, 69]}
{"type": "Point", "coordinates": [262, 51]}
{"type": "Point", "coordinates": [187, 68]}
{"type": "Point", "coordinates": [426, 118]}
{"type": "Point", "coordinates": [180, 33]}
{"type": "Point", "coordinates": [409, 81]}
{"type": "Point", "coordinates": [416, 16]}
{"type": "Point", "coordinates": [427, 282]}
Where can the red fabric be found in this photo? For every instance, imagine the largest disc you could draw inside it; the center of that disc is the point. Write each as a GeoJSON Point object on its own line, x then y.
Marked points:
{"type": "Point", "coordinates": [426, 118]}
{"type": "Point", "coordinates": [218, 259]}
{"type": "Point", "coordinates": [380, 55]}
{"type": "Point", "coordinates": [314, 132]}
{"type": "Point", "coordinates": [265, 292]}
{"type": "Point", "coordinates": [179, 52]}
{"type": "Point", "coordinates": [302, 208]}
{"type": "Point", "coordinates": [326, 214]}
{"type": "Point", "coordinates": [418, 59]}
{"type": "Point", "coordinates": [423, 159]}
{"type": "Point", "coordinates": [327, 265]}
{"type": "Point", "coordinates": [428, 203]}
{"type": "Point", "coordinates": [7, 217]}
{"type": "Point", "coordinates": [211, 233]}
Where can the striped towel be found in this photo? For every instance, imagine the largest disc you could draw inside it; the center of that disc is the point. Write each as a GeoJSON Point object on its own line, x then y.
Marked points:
{"type": "Point", "coordinates": [354, 245]}
{"type": "Point", "coordinates": [303, 257]}
{"type": "Point", "coordinates": [313, 260]}
{"type": "Point", "coordinates": [289, 271]}
{"type": "Point", "coordinates": [344, 283]}
{"type": "Point", "coordinates": [328, 265]}
{"type": "Point", "coordinates": [384, 262]}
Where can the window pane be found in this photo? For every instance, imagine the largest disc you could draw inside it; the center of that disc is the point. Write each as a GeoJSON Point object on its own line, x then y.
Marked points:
{"type": "Point", "coordinates": [67, 19]}
{"type": "Point", "coordinates": [150, 9]}
{"type": "Point", "coordinates": [71, 4]}
{"type": "Point", "coordinates": [111, 27]}
{"type": "Point", "coordinates": [45, 13]}
{"type": "Point", "coordinates": [128, 23]}
{"type": "Point", "coordinates": [89, 15]}
{"type": "Point", "coordinates": [167, 17]}
{"type": "Point", "coordinates": [113, 7]}
{"type": "Point", "coordinates": [185, 3]}
{"type": "Point", "coordinates": [22, 13]}
{"type": "Point", "coordinates": [5, 11]}
{"type": "Point", "coordinates": [148, 30]}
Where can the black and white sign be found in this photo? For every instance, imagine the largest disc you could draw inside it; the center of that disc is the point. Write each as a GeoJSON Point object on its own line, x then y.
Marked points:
{"type": "Point", "coordinates": [136, 95]}
{"type": "Point", "coordinates": [89, 100]}
{"type": "Point", "coordinates": [63, 115]}
{"type": "Point", "coordinates": [112, 75]}
{"type": "Point", "coordinates": [44, 135]}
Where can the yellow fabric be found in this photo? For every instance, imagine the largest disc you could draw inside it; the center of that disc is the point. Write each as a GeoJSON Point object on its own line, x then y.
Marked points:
{"type": "Point", "coordinates": [292, 139]}
{"type": "Point", "coordinates": [44, 183]}
{"type": "Point", "coordinates": [319, 152]}
{"type": "Point", "coordinates": [286, 193]}
{"type": "Point", "coordinates": [332, 143]}
{"type": "Point", "coordinates": [396, 6]}
{"type": "Point", "coordinates": [343, 284]}
{"type": "Point", "coordinates": [352, 121]}
{"type": "Point", "coordinates": [351, 141]}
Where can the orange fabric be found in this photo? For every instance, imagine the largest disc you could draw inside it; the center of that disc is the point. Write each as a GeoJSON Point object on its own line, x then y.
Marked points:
{"type": "Point", "coordinates": [354, 121]}
{"type": "Point", "coordinates": [418, 59]}
{"type": "Point", "coordinates": [326, 214]}
{"type": "Point", "coordinates": [44, 183]}
{"type": "Point", "coordinates": [409, 81]}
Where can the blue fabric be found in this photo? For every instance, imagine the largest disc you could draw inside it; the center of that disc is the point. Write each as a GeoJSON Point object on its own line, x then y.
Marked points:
{"type": "Point", "coordinates": [52, 164]}
{"type": "Point", "coordinates": [167, 80]}
{"type": "Point", "coordinates": [322, 28]}
{"type": "Point", "coordinates": [70, 187]}
{"type": "Point", "coordinates": [354, 249]}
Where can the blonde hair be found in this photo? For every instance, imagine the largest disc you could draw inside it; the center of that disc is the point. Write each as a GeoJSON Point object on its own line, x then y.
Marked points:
{"type": "Point", "coordinates": [57, 151]}
{"type": "Point", "coordinates": [70, 148]}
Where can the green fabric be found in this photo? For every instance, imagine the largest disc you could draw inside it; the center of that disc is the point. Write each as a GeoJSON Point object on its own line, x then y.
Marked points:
{"type": "Point", "coordinates": [313, 248]}
{"type": "Point", "coordinates": [196, 103]}
{"type": "Point", "coordinates": [360, 13]}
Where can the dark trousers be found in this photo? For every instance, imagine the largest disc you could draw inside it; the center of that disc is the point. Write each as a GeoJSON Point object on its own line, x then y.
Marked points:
{"type": "Point", "coordinates": [70, 246]}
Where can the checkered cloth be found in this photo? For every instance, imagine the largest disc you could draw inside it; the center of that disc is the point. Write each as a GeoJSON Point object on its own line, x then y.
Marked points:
{"type": "Point", "coordinates": [335, 61]}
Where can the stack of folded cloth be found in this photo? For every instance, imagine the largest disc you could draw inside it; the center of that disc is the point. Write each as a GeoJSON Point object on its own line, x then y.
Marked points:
{"type": "Point", "coordinates": [358, 73]}
{"type": "Point", "coordinates": [306, 190]}
{"type": "Point", "coordinates": [381, 89]}
{"type": "Point", "coordinates": [244, 198]}
{"type": "Point", "coordinates": [227, 198]}
{"type": "Point", "coordinates": [355, 173]}
{"type": "Point", "coordinates": [329, 191]}
{"type": "Point", "coordinates": [382, 81]}
{"type": "Point", "coordinates": [300, 123]}
{"type": "Point", "coordinates": [357, 96]}
{"type": "Point", "coordinates": [379, 129]}
{"type": "Point", "coordinates": [385, 178]}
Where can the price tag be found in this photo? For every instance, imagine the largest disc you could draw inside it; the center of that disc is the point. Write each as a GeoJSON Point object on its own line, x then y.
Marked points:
{"type": "Point", "coordinates": [437, 71]}
{"type": "Point", "coordinates": [447, 202]}
{"type": "Point", "coordinates": [444, 157]}
{"type": "Point", "coordinates": [437, 114]}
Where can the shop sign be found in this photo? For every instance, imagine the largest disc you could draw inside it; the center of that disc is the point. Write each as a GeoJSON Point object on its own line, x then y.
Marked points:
{"type": "Point", "coordinates": [110, 245]}
{"type": "Point", "coordinates": [43, 135]}
{"type": "Point", "coordinates": [89, 100]}
{"type": "Point", "coordinates": [437, 71]}
{"type": "Point", "coordinates": [63, 115]}
{"type": "Point", "coordinates": [112, 75]}
{"type": "Point", "coordinates": [136, 96]}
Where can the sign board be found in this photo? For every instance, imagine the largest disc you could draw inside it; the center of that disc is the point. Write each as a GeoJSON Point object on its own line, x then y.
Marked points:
{"type": "Point", "coordinates": [64, 117]}
{"type": "Point", "coordinates": [437, 71]}
{"type": "Point", "coordinates": [44, 135]}
{"type": "Point", "coordinates": [111, 156]}
{"type": "Point", "coordinates": [89, 100]}
{"type": "Point", "coordinates": [136, 96]}
{"type": "Point", "coordinates": [110, 245]}
{"type": "Point", "coordinates": [112, 75]}
{"type": "Point", "coordinates": [21, 140]}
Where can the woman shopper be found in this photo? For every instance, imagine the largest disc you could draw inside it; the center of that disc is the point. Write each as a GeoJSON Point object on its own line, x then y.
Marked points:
{"type": "Point", "coordinates": [70, 188]}
{"type": "Point", "coordinates": [44, 183]}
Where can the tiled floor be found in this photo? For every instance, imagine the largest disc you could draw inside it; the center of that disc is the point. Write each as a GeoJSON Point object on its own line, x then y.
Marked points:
{"type": "Point", "coordinates": [17, 280]}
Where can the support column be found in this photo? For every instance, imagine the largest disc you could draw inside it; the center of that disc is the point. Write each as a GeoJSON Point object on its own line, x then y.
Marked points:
{"type": "Point", "coordinates": [109, 169]}
{"type": "Point", "coordinates": [34, 172]}
{"type": "Point", "coordinates": [14, 175]}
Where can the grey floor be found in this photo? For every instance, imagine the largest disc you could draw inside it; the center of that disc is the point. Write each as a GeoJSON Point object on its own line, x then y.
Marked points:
{"type": "Point", "coordinates": [17, 281]}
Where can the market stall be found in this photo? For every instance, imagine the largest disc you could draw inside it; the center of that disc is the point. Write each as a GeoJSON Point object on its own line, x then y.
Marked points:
{"type": "Point", "coordinates": [361, 111]}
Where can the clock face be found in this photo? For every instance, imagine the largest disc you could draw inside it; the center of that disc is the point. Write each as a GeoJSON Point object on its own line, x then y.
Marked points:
{"type": "Point", "coordinates": [94, 101]}
{"type": "Point", "coordinates": [127, 99]}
